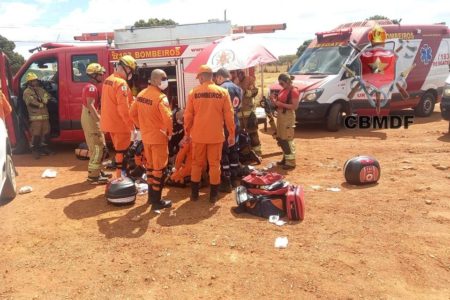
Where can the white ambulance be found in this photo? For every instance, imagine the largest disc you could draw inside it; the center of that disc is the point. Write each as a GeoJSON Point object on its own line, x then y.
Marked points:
{"type": "Point", "coordinates": [326, 85]}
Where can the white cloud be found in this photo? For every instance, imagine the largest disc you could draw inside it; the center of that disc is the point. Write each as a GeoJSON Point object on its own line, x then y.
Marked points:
{"type": "Point", "coordinates": [15, 14]}
{"type": "Point", "coordinates": [303, 19]}
{"type": "Point", "coordinates": [46, 2]}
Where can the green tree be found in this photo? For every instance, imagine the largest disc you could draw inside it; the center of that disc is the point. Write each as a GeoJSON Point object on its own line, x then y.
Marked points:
{"type": "Point", "coordinates": [303, 47]}
{"type": "Point", "coordinates": [16, 60]}
{"type": "Point", "coordinates": [380, 17]}
{"type": "Point", "coordinates": [154, 22]}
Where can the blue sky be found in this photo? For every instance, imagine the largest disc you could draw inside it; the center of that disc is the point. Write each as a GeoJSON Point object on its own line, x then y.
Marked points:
{"type": "Point", "coordinates": [40, 21]}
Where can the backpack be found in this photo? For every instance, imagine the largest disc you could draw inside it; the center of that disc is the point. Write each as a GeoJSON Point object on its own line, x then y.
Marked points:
{"type": "Point", "coordinates": [265, 183]}
{"type": "Point", "coordinates": [259, 205]}
{"type": "Point", "coordinates": [266, 193]}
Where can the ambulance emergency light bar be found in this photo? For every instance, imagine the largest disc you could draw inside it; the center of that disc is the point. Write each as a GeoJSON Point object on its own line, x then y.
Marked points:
{"type": "Point", "coordinates": [335, 33]}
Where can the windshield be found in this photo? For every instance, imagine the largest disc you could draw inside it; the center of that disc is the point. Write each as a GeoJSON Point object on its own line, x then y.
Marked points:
{"type": "Point", "coordinates": [326, 60]}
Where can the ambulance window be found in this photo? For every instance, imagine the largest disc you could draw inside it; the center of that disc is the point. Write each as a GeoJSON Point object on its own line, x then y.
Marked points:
{"type": "Point", "coordinates": [79, 65]}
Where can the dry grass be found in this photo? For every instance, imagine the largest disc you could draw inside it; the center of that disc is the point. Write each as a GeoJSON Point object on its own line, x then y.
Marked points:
{"type": "Point", "coordinates": [269, 79]}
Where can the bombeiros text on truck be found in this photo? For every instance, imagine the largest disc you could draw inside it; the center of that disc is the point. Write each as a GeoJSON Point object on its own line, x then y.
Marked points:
{"type": "Point", "coordinates": [61, 69]}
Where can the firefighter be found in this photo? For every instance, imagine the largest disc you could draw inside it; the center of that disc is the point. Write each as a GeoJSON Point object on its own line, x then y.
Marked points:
{"type": "Point", "coordinates": [230, 155]}
{"type": "Point", "coordinates": [36, 99]}
{"type": "Point", "coordinates": [286, 103]}
{"type": "Point", "coordinates": [183, 166]}
{"type": "Point", "coordinates": [247, 116]}
{"type": "Point", "coordinates": [115, 103]}
{"type": "Point", "coordinates": [152, 115]}
{"type": "Point", "coordinates": [208, 108]}
{"type": "Point", "coordinates": [90, 118]}
{"type": "Point", "coordinates": [5, 108]}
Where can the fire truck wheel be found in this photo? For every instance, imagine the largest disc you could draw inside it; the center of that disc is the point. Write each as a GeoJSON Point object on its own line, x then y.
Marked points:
{"type": "Point", "coordinates": [426, 105]}
{"type": "Point", "coordinates": [334, 118]}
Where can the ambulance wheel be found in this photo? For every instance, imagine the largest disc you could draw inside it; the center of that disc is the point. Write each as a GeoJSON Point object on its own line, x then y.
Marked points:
{"type": "Point", "coordinates": [334, 118]}
{"type": "Point", "coordinates": [426, 105]}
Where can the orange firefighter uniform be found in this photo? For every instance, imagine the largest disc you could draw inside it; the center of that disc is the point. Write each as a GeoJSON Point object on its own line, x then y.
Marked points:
{"type": "Point", "coordinates": [208, 108]}
{"type": "Point", "coordinates": [183, 164]}
{"type": "Point", "coordinates": [151, 113]}
{"type": "Point", "coordinates": [5, 106]}
{"type": "Point", "coordinates": [115, 116]}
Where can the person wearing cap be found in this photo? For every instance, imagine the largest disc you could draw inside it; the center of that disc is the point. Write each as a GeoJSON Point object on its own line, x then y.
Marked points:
{"type": "Point", "coordinates": [247, 116]}
{"type": "Point", "coordinates": [230, 155]}
{"type": "Point", "coordinates": [152, 115]}
{"type": "Point", "coordinates": [90, 118]}
{"type": "Point", "coordinates": [207, 110]}
{"type": "Point", "coordinates": [286, 103]}
{"type": "Point", "coordinates": [115, 104]}
{"type": "Point", "coordinates": [36, 99]}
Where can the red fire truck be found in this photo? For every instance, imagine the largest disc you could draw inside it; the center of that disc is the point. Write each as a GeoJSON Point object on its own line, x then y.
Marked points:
{"type": "Point", "coordinates": [62, 69]}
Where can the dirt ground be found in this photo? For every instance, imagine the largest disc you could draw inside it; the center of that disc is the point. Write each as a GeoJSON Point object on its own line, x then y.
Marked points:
{"type": "Point", "coordinates": [388, 241]}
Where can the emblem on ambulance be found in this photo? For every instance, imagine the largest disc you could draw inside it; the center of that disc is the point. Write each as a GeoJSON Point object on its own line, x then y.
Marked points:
{"type": "Point", "coordinates": [223, 57]}
{"type": "Point", "coordinates": [378, 66]}
{"type": "Point", "coordinates": [426, 54]}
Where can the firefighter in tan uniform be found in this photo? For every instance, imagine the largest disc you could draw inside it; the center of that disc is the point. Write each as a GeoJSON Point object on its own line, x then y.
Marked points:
{"type": "Point", "coordinates": [115, 103]}
{"type": "Point", "coordinates": [36, 99]}
{"type": "Point", "coordinates": [207, 109]}
{"type": "Point", "coordinates": [247, 117]}
{"type": "Point", "coordinates": [286, 103]}
{"type": "Point", "coordinates": [90, 118]}
{"type": "Point", "coordinates": [152, 115]}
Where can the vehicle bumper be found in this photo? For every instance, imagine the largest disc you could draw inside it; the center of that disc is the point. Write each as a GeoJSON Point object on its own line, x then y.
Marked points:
{"type": "Point", "coordinates": [312, 112]}
{"type": "Point", "coordinates": [445, 108]}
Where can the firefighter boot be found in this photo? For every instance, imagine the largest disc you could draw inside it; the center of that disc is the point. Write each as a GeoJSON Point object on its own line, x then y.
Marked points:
{"type": "Point", "coordinates": [157, 202]}
{"type": "Point", "coordinates": [225, 185]}
{"type": "Point", "coordinates": [281, 162]}
{"type": "Point", "coordinates": [214, 193]}
{"type": "Point", "coordinates": [44, 150]}
{"type": "Point", "coordinates": [36, 141]}
{"type": "Point", "coordinates": [150, 194]}
{"type": "Point", "coordinates": [98, 180]}
{"type": "Point", "coordinates": [107, 175]}
{"type": "Point", "coordinates": [195, 186]}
